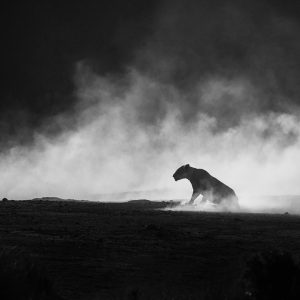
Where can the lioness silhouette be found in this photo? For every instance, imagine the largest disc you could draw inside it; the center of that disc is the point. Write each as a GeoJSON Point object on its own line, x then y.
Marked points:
{"type": "Point", "coordinates": [211, 189]}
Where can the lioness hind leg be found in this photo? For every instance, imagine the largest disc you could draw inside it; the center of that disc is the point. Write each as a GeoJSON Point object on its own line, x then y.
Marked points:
{"type": "Point", "coordinates": [232, 204]}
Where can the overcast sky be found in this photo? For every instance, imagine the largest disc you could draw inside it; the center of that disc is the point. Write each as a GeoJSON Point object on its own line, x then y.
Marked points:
{"type": "Point", "coordinates": [111, 96]}
{"type": "Point", "coordinates": [43, 41]}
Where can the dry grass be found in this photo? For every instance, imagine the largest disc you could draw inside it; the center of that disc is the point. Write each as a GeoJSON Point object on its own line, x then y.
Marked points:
{"type": "Point", "coordinates": [136, 251]}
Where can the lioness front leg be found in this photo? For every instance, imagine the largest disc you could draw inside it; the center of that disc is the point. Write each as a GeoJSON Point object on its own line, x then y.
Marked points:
{"type": "Point", "coordinates": [194, 197]}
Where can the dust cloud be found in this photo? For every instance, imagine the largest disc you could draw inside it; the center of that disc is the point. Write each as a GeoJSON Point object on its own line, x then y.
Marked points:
{"type": "Point", "coordinates": [114, 149]}
{"type": "Point", "coordinates": [181, 100]}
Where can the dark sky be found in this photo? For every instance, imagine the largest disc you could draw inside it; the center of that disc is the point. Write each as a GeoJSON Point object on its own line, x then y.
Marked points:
{"type": "Point", "coordinates": [43, 40]}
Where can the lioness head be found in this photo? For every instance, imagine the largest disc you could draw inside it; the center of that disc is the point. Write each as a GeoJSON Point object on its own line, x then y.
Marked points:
{"type": "Point", "coordinates": [182, 172]}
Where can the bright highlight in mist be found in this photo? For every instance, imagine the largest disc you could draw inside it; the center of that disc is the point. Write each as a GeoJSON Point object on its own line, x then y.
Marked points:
{"type": "Point", "coordinates": [124, 142]}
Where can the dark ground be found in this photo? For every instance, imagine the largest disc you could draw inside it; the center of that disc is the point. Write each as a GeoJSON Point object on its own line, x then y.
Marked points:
{"type": "Point", "coordinates": [136, 251]}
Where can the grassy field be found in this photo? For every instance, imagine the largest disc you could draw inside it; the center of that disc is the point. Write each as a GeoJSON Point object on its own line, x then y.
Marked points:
{"type": "Point", "coordinates": [136, 250]}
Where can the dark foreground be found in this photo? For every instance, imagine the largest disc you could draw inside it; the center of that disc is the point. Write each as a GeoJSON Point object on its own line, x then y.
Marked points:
{"type": "Point", "coordinates": [136, 251]}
